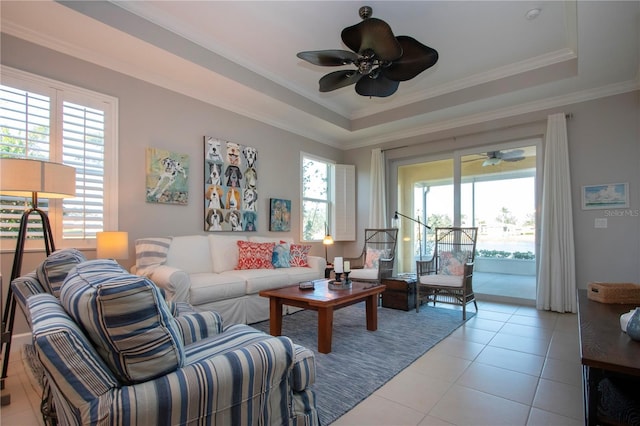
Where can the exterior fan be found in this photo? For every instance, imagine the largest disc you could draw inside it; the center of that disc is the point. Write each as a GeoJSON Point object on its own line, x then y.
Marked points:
{"type": "Point", "coordinates": [495, 157]}
{"type": "Point", "coordinates": [382, 60]}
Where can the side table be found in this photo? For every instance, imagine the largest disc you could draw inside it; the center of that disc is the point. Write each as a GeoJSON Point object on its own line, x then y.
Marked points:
{"type": "Point", "coordinates": [400, 293]}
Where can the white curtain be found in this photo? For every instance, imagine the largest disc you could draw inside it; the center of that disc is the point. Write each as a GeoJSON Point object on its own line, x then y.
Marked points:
{"type": "Point", "coordinates": [556, 270]}
{"type": "Point", "coordinates": [378, 197]}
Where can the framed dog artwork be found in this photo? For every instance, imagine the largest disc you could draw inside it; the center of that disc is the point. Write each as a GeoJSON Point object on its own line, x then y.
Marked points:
{"type": "Point", "coordinates": [230, 186]}
{"type": "Point", "coordinates": [280, 219]}
{"type": "Point", "coordinates": [167, 179]}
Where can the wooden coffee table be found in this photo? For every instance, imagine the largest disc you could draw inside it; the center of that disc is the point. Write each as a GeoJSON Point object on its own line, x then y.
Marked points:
{"type": "Point", "coordinates": [324, 301]}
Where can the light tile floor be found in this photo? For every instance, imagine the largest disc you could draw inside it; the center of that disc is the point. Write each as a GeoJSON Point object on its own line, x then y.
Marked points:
{"type": "Point", "coordinates": [509, 365]}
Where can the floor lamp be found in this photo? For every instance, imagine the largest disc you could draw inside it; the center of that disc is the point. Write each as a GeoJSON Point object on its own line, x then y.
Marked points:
{"type": "Point", "coordinates": [29, 178]}
{"type": "Point", "coordinates": [395, 225]}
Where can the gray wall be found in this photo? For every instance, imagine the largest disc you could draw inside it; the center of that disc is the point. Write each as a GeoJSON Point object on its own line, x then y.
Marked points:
{"type": "Point", "coordinates": [603, 137]}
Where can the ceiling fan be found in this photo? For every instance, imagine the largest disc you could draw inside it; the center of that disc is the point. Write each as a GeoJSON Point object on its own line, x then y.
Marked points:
{"type": "Point", "coordinates": [495, 157]}
{"type": "Point", "coordinates": [382, 60]}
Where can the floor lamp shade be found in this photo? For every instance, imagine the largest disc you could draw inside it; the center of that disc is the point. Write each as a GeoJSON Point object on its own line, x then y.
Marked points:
{"type": "Point", "coordinates": [112, 245]}
{"type": "Point", "coordinates": [22, 178]}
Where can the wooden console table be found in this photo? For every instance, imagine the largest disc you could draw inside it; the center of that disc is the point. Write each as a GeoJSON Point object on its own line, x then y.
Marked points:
{"type": "Point", "coordinates": [604, 347]}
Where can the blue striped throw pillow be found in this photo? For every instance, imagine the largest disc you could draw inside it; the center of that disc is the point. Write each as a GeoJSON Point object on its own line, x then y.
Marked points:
{"type": "Point", "coordinates": [126, 318]}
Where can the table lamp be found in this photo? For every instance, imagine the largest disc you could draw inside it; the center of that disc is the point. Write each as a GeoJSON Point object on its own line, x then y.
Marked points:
{"type": "Point", "coordinates": [112, 245]}
{"type": "Point", "coordinates": [327, 241]}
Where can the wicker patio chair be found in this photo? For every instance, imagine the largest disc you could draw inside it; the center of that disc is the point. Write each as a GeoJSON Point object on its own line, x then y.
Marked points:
{"type": "Point", "coordinates": [378, 256]}
{"type": "Point", "coordinates": [447, 277]}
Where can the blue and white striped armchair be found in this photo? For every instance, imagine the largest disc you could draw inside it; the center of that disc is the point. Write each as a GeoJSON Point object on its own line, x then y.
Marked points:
{"type": "Point", "coordinates": [115, 353]}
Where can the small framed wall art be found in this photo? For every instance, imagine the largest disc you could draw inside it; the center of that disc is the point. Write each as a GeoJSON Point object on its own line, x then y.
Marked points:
{"type": "Point", "coordinates": [607, 196]}
{"type": "Point", "coordinates": [280, 218]}
{"type": "Point", "coordinates": [167, 177]}
{"type": "Point", "coordinates": [230, 186]}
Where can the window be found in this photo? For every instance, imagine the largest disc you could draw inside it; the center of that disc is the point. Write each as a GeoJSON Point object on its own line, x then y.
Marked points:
{"type": "Point", "coordinates": [47, 120]}
{"type": "Point", "coordinates": [316, 197]}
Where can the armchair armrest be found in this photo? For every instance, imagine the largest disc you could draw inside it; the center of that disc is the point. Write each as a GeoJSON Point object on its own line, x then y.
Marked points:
{"type": "Point", "coordinates": [23, 288]}
{"type": "Point", "coordinates": [426, 267]}
{"type": "Point", "coordinates": [195, 325]}
{"type": "Point", "coordinates": [356, 262]}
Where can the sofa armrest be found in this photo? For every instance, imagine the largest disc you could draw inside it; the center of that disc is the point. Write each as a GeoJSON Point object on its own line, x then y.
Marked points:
{"type": "Point", "coordinates": [318, 263]}
{"type": "Point", "coordinates": [175, 282]}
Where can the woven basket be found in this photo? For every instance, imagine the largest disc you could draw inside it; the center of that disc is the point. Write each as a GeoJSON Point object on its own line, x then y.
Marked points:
{"type": "Point", "coordinates": [627, 293]}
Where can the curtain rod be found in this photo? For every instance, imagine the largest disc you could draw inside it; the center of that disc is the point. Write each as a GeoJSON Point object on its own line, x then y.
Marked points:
{"type": "Point", "coordinates": [396, 147]}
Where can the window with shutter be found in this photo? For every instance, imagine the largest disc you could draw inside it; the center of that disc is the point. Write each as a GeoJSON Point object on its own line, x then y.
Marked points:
{"type": "Point", "coordinates": [49, 120]}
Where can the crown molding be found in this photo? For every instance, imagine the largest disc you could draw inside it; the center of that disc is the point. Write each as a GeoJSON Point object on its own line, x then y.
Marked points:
{"type": "Point", "coordinates": [506, 112]}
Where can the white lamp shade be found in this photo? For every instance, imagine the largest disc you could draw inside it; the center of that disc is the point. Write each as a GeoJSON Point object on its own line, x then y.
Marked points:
{"type": "Point", "coordinates": [112, 245]}
{"type": "Point", "coordinates": [20, 177]}
{"type": "Point", "coordinates": [327, 240]}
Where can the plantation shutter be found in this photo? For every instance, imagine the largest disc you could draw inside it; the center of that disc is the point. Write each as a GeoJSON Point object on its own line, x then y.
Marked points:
{"type": "Point", "coordinates": [83, 144]}
{"type": "Point", "coordinates": [47, 120]}
{"type": "Point", "coordinates": [345, 195]}
{"type": "Point", "coordinates": [25, 133]}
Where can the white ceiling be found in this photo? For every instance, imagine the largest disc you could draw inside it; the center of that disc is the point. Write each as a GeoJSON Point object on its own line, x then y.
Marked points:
{"type": "Point", "coordinates": [241, 55]}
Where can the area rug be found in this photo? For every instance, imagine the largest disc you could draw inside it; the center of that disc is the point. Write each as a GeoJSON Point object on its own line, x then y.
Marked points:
{"type": "Point", "coordinates": [361, 361]}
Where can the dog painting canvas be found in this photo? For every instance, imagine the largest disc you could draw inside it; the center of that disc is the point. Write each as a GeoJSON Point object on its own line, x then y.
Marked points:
{"type": "Point", "coordinates": [280, 219]}
{"type": "Point", "coordinates": [230, 186]}
{"type": "Point", "coordinates": [167, 177]}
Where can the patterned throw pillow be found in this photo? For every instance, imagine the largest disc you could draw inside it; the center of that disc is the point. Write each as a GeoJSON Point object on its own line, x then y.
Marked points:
{"type": "Point", "coordinates": [281, 255]}
{"type": "Point", "coordinates": [255, 255]}
{"type": "Point", "coordinates": [452, 263]}
{"type": "Point", "coordinates": [372, 258]}
{"type": "Point", "coordinates": [299, 255]}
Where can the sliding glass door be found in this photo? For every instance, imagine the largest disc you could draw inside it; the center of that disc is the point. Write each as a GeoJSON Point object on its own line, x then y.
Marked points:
{"type": "Point", "coordinates": [493, 188]}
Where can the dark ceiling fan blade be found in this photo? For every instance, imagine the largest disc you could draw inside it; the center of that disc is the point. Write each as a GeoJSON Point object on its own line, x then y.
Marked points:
{"type": "Point", "coordinates": [372, 34]}
{"type": "Point", "coordinates": [337, 79]}
{"type": "Point", "coordinates": [328, 58]}
{"type": "Point", "coordinates": [416, 57]}
{"type": "Point", "coordinates": [380, 86]}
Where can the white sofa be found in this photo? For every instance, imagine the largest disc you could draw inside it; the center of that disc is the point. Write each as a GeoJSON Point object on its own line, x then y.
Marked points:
{"type": "Point", "coordinates": [200, 270]}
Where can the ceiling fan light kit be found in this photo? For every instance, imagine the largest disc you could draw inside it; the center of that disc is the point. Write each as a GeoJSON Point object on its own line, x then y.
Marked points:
{"type": "Point", "coordinates": [382, 60]}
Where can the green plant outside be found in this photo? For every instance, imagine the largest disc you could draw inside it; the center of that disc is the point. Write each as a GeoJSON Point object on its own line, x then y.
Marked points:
{"type": "Point", "coordinates": [499, 254]}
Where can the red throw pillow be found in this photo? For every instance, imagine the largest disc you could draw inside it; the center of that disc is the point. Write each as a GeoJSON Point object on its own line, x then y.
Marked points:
{"type": "Point", "coordinates": [255, 255]}
{"type": "Point", "coordinates": [299, 254]}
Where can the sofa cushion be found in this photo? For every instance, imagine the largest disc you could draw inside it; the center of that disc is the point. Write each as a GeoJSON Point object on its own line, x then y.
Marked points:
{"type": "Point", "coordinates": [54, 269]}
{"type": "Point", "coordinates": [299, 253]}
{"type": "Point", "coordinates": [190, 253]}
{"type": "Point", "coordinates": [207, 288]}
{"type": "Point", "coordinates": [224, 251]}
{"type": "Point", "coordinates": [254, 255]}
{"type": "Point", "coordinates": [126, 318]}
{"type": "Point", "coordinates": [364, 274]}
